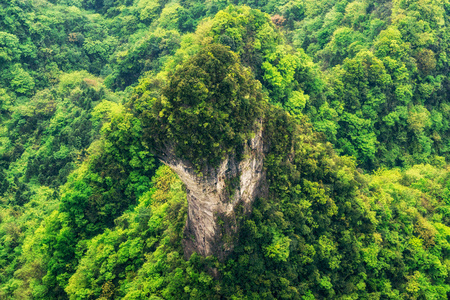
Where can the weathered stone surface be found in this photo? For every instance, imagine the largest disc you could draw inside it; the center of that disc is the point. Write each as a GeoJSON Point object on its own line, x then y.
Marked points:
{"type": "Point", "coordinates": [218, 196]}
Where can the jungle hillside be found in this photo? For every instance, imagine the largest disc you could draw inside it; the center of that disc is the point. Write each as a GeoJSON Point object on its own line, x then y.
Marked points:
{"type": "Point", "coordinates": [318, 130]}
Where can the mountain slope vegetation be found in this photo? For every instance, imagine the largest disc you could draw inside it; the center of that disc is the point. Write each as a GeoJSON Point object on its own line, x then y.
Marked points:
{"type": "Point", "coordinates": [353, 98]}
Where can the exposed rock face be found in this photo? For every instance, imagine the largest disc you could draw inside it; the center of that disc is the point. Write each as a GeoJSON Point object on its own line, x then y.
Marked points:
{"type": "Point", "coordinates": [218, 196]}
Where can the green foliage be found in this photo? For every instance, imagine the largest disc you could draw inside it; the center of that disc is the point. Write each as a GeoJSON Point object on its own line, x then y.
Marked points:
{"type": "Point", "coordinates": [86, 213]}
{"type": "Point", "coordinates": [9, 50]}
{"type": "Point", "coordinates": [343, 240]}
{"type": "Point", "coordinates": [118, 172]}
{"type": "Point", "coordinates": [207, 110]}
{"type": "Point", "coordinates": [278, 250]}
{"type": "Point", "coordinates": [142, 256]}
{"type": "Point", "coordinates": [131, 64]}
{"type": "Point", "coordinates": [20, 81]}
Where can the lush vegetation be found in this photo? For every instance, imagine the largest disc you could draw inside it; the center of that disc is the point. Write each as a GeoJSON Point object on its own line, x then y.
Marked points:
{"type": "Point", "coordinates": [353, 96]}
{"type": "Point", "coordinates": [206, 111]}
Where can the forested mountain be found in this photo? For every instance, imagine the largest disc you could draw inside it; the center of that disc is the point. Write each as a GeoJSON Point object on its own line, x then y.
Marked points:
{"type": "Point", "coordinates": [347, 103]}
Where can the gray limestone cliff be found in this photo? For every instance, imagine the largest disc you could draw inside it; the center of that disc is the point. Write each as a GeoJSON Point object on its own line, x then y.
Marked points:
{"type": "Point", "coordinates": [217, 197]}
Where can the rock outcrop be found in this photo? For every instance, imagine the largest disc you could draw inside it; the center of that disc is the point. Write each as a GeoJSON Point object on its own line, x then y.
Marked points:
{"type": "Point", "coordinates": [206, 124]}
{"type": "Point", "coordinates": [218, 196]}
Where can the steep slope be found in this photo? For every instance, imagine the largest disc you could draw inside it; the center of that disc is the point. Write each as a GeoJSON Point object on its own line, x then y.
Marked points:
{"type": "Point", "coordinates": [89, 213]}
{"type": "Point", "coordinates": [207, 127]}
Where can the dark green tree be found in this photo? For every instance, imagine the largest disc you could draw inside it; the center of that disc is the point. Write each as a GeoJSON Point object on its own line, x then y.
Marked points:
{"type": "Point", "coordinates": [206, 111]}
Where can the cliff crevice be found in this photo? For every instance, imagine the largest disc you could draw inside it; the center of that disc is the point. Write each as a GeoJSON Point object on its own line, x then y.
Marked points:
{"type": "Point", "coordinates": [217, 197]}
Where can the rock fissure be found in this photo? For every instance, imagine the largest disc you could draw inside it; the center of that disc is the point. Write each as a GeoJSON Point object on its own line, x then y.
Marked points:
{"type": "Point", "coordinates": [212, 225]}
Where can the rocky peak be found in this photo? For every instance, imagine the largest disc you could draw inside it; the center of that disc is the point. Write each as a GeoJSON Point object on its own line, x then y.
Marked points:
{"type": "Point", "coordinates": [206, 124]}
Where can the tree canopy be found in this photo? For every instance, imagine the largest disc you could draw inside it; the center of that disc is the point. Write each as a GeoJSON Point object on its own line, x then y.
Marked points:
{"type": "Point", "coordinates": [353, 99]}
{"type": "Point", "coordinates": [206, 111]}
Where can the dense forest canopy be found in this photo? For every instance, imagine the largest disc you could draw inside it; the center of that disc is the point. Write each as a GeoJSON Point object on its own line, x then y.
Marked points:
{"type": "Point", "coordinates": [353, 96]}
